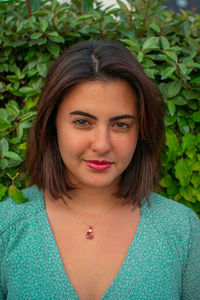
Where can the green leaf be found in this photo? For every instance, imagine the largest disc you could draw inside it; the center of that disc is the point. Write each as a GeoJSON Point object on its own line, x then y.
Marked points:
{"type": "Point", "coordinates": [172, 55]}
{"type": "Point", "coordinates": [16, 194]}
{"type": "Point", "coordinates": [55, 37]}
{"type": "Point", "coordinates": [148, 63]}
{"type": "Point", "coordinates": [179, 100]}
{"type": "Point", "coordinates": [173, 189]}
{"type": "Point", "coordinates": [191, 153]}
{"type": "Point", "coordinates": [196, 192]}
{"type": "Point", "coordinates": [123, 6]}
{"type": "Point", "coordinates": [3, 163]}
{"type": "Point", "coordinates": [188, 141]}
{"type": "Point", "coordinates": [132, 45]}
{"type": "Point", "coordinates": [171, 107]}
{"type": "Point", "coordinates": [183, 68]}
{"type": "Point", "coordinates": [3, 190]}
{"type": "Point", "coordinates": [140, 56]}
{"type": "Point", "coordinates": [190, 95]}
{"type": "Point", "coordinates": [187, 193]}
{"type": "Point", "coordinates": [195, 80]}
{"type": "Point", "coordinates": [35, 4]}
{"type": "Point", "coordinates": [23, 146]}
{"type": "Point", "coordinates": [196, 116]}
{"type": "Point", "coordinates": [28, 116]}
{"type": "Point", "coordinates": [40, 13]}
{"type": "Point", "coordinates": [198, 140]}
{"type": "Point", "coordinates": [183, 172]}
{"type": "Point", "coordinates": [53, 48]}
{"type": "Point", "coordinates": [44, 24]}
{"type": "Point", "coordinates": [195, 166]}
{"type": "Point", "coordinates": [150, 43]}
{"type": "Point", "coordinates": [140, 6]}
{"type": "Point", "coordinates": [44, 58]}
{"type": "Point", "coordinates": [26, 90]}
{"type": "Point", "coordinates": [12, 155]}
{"type": "Point", "coordinates": [32, 73]}
{"type": "Point", "coordinates": [164, 89]}
{"type": "Point", "coordinates": [155, 27]}
{"type": "Point", "coordinates": [112, 11]}
{"type": "Point", "coordinates": [166, 181]}
{"type": "Point", "coordinates": [192, 104]}
{"type": "Point", "coordinates": [173, 145]}
{"type": "Point", "coordinates": [87, 5]}
{"type": "Point", "coordinates": [4, 147]}
{"type": "Point", "coordinates": [167, 72]}
{"type": "Point", "coordinates": [32, 64]}
{"type": "Point", "coordinates": [19, 130]}
{"type": "Point", "coordinates": [15, 140]}
{"type": "Point", "coordinates": [169, 120]}
{"type": "Point", "coordinates": [36, 83]}
{"type": "Point", "coordinates": [85, 17]}
{"type": "Point", "coordinates": [42, 69]}
{"type": "Point", "coordinates": [13, 107]}
{"type": "Point", "coordinates": [165, 43]}
{"type": "Point", "coordinates": [195, 180]}
{"type": "Point", "coordinates": [4, 125]}
{"type": "Point", "coordinates": [174, 89]}
{"type": "Point", "coordinates": [36, 35]}
{"type": "Point", "coordinates": [150, 73]}
{"type": "Point", "coordinates": [27, 124]}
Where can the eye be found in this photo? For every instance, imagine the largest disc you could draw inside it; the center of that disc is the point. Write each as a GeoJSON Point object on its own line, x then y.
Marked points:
{"type": "Point", "coordinates": [121, 125]}
{"type": "Point", "coordinates": [81, 123]}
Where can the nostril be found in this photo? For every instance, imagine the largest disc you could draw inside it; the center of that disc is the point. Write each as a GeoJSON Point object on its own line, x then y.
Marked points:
{"type": "Point", "coordinates": [101, 142]}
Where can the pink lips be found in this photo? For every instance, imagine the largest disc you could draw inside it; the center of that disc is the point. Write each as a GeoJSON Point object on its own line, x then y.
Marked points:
{"type": "Point", "coordinates": [98, 165]}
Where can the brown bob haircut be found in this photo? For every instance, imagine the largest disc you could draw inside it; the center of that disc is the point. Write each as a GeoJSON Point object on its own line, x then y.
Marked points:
{"type": "Point", "coordinates": [89, 61]}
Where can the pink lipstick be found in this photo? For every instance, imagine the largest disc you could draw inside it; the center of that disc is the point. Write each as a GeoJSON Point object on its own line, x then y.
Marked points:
{"type": "Point", "coordinates": [98, 165]}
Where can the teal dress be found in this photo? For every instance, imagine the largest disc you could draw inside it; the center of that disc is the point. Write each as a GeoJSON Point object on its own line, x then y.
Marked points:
{"type": "Point", "coordinates": [163, 261]}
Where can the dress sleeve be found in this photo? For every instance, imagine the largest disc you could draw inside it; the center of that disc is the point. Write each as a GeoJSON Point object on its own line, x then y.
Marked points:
{"type": "Point", "coordinates": [191, 275]}
{"type": "Point", "coordinates": [3, 238]}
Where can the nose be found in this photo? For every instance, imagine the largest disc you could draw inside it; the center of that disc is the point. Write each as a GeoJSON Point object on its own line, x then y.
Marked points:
{"type": "Point", "coordinates": [101, 141]}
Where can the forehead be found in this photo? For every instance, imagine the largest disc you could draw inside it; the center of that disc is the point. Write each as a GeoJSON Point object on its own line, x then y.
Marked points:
{"type": "Point", "coordinates": [101, 97]}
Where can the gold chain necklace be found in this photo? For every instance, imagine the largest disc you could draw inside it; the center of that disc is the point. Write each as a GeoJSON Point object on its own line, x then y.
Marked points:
{"type": "Point", "coordinates": [90, 232]}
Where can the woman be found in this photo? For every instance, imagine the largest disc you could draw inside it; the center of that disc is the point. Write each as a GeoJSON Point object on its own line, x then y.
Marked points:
{"type": "Point", "coordinates": [93, 228]}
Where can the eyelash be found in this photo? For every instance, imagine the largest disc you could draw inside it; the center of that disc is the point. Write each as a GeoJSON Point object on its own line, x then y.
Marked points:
{"type": "Point", "coordinates": [122, 125]}
{"type": "Point", "coordinates": [78, 123]}
{"type": "Point", "coordinates": [84, 123]}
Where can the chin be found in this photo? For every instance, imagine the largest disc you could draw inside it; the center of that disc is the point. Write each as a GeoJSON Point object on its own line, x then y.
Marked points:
{"type": "Point", "coordinates": [100, 184]}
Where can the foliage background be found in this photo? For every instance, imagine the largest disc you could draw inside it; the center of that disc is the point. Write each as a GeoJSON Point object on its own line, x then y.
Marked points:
{"type": "Point", "coordinates": [166, 44]}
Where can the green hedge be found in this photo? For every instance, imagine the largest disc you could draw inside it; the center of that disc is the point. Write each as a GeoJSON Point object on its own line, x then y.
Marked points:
{"type": "Point", "coordinates": [167, 45]}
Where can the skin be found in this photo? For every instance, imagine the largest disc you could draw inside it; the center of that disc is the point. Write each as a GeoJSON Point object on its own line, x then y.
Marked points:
{"type": "Point", "coordinates": [99, 136]}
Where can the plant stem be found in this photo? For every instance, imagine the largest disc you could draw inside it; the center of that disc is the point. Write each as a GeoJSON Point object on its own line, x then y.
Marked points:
{"type": "Point", "coordinates": [146, 13]}
{"type": "Point", "coordinates": [29, 8]}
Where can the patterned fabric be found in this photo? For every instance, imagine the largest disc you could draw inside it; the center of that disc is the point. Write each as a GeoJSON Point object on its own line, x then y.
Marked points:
{"type": "Point", "coordinates": [163, 261]}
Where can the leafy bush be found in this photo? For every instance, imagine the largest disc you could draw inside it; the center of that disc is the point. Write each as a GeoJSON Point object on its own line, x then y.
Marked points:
{"type": "Point", "coordinates": [166, 44]}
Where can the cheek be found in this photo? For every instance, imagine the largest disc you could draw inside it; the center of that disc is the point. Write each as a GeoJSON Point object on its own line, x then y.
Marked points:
{"type": "Point", "coordinates": [71, 144]}
{"type": "Point", "coordinates": [125, 148]}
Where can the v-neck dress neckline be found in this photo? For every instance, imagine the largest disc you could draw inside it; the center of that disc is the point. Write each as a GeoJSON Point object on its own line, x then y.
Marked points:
{"type": "Point", "coordinates": [162, 261]}
{"type": "Point", "coordinates": [124, 266]}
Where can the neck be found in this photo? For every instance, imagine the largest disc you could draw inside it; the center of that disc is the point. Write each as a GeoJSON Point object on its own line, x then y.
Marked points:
{"type": "Point", "coordinates": [94, 201]}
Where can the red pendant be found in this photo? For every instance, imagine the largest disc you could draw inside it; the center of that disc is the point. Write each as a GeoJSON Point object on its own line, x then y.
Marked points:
{"type": "Point", "coordinates": [90, 234]}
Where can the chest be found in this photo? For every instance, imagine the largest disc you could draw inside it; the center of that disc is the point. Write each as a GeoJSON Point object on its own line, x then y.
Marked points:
{"type": "Point", "coordinates": [92, 265]}
{"type": "Point", "coordinates": [152, 268]}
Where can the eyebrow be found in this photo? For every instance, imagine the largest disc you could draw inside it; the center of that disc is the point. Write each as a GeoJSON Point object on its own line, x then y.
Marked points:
{"type": "Point", "coordinates": [119, 117]}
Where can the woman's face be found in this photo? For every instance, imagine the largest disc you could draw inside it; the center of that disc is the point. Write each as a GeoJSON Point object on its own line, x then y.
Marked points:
{"type": "Point", "coordinates": [97, 130]}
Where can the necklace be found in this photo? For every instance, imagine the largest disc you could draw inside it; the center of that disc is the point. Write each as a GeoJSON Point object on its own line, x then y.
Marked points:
{"type": "Point", "coordinates": [90, 232]}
